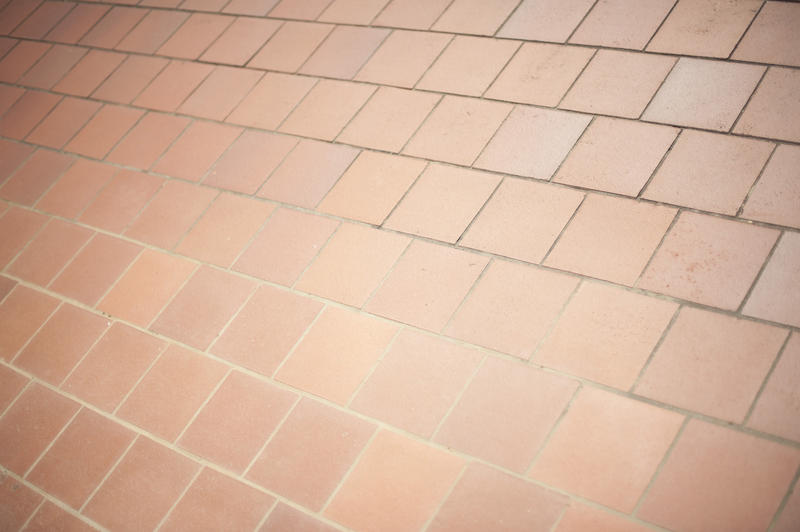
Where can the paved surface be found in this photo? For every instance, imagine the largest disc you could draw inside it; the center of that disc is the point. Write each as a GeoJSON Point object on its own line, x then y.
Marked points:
{"type": "Point", "coordinates": [379, 265]}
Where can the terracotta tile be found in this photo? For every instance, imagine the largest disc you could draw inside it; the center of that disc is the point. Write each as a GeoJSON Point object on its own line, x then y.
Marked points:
{"type": "Point", "coordinates": [173, 85]}
{"type": "Point", "coordinates": [89, 73]}
{"type": "Point", "coordinates": [132, 76]}
{"type": "Point", "coordinates": [52, 66]}
{"type": "Point", "coordinates": [352, 11]}
{"type": "Point", "coordinates": [344, 52]}
{"type": "Point", "coordinates": [522, 219]}
{"type": "Point", "coordinates": [771, 38]}
{"type": "Point", "coordinates": [622, 23]}
{"type": "Point", "coordinates": [389, 119]}
{"type": "Point", "coordinates": [416, 383]}
{"type": "Point", "coordinates": [162, 274]}
{"type": "Point", "coordinates": [403, 58]}
{"type": "Point", "coordinates": [63, 122]}
{"type": "Point", "coordinates": [554, 131]}
{"type": "Point", "coordinates": [80, 457]}
{"type": "Point", "coordinates": [468, 65]}
{"type": "Point", "coordinates": [741, 485]}
{"type": "Point", "coordinates": [247, 411]}
{"type": "Point", "coordinates": [709, 28]}
{"type": "Point", "coordinates": [30, 424]}
{"type": "Point", "coordinates": [311, 453]}
{"type": "Point", "coordinates": [545, 20]}
{"type": "Point", "coordinates": [790, 515]}
{"type": "Point", "coordinates": [197, 314]}
{"type": "Point", "coordinates": [35, 176]}
{"type": "Point", "coordinates": [121, 200]}
{"type": "Point", "coordinates": [148, 139]}
{"type": "Point", "coordinates": [151, 32]}
{"type": "Point", "coordinates": [618, 83]}
{"type": "Point", "coordinates": [220, 92]}
{"type": "Point", "coordinates": [203, 5]}
{"type": "Point", "coordinates": [487, 499]}
{"type": "Point", "coordinates": [580, 517]}
{"type": "Point", "coordinates": [161, 223]}
{"type": "Point", "coordinates": [308, 173]}
{"type": "Point", "coordinates": [474, 16]}
{"type": "Point", "coordinates": [103, 131]}
{"type": "Point", "coordinates": [12, 384]}
{"type": "Point", "coordinates": [12, 155]}
{"type": "Point", "coordinates": [75, 25]}
{"type": "Point", "coordinates": [457, 130]}
{"type": "Point", "coordinates": [776, 194]}
{"type": "Point", "coordinates": [285, 517]}
{"type": "Point", "coordinates": [271, 101]}
{"type": "Point", "coordinates": [299, 9]}
{"type": "Point", "coordinates": [17, 227]}
{"type": "Point", "coordinates": [708, 260]}
{"type": "Point", "coordinates": [22, 57]}
{"type": "Point", "coordinates": [326, 109]}
{"type": "Point", "coordinates": [412, 14]}
{"type": "Point", "coordinates": [773, 297]}
{"type": "Point", "coordinates": [52, 517]}
{"type": "Point", "coordinates": [778, 405]}
{"type": "Point", "coordinates": [772, 112]}
{"type": "Point", "coordinates": [217, 501]}
{"type": "Point", "coordinates": [291, 45]}
{"type": "Point", "coordinates": [6, 44]}
{"type": "Point", "coordinates": [17, 501]}
{"type": "Point", "coordinates": [397, 484]}
{"type": "Point", "coordinates": [14, 13]}
{"type": "Point", "coordinates": [606, 334]}
{"type": "Point", "coordinates": [243, 38]}
{"type": "Point", "coordinates": [288, 243]}
{"type": "Point", "coordinates": [352, 264]}
{"type": "Point", "coordinates": [111, 29]}
{"type": "Point", "coordinates": [704, 94]}
{"type": "Point", "coordinates": [8, 97]}
{"type": "Point", "coordinates": [201, 144]}
{"type": "Point", "coordinates": [709, 172]}
{"type": "Point", "coordinates": [23, 311]}
{"type": "Point", "coordinates": [142, 488]}
{"type": "Point", "coordinates": [170, 393]}
{"type": "Point", "coordinates": [49, 251]}
{"type": "Point", "coordinates": [28, 111]}
{"type": "Point", "coordinates": [540, 74]}
{"type": "Point", "coordinates": [371, 187]}
{"type": "Point", "coordinates": [257, 8]}
{"type": "Point", "coordinates": [113, 366]}
{"type": "Point", "coordinates": [426, 285]}
{"type": "Point", "coordinates": [95, 268]}
{"type": "Point", "coordinates": [6, 285]}
{"type": "Point", "coordinates": [611, 238]}
{"type": "Point", "coordinates": [249, 161]}
{"type": "Point", "coordinates": [336, 354]}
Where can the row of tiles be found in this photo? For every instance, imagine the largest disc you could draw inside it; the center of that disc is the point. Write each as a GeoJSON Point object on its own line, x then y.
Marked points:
{"type": "Point", "coordinates": [503, 415]}
{"type": "Point", "coordinates": [749, 30]}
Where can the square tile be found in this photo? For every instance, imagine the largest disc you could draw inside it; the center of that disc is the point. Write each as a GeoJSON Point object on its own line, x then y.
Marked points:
{"type": "Point", "coordinates": [511, 308]}
{"type": "Point", "coordinates": [344, 52]}
{"type": "Point", "coordinates": [486, 499]}
{"type": "Point", "coordinates": [352, 11]}
{"type": "Point", "coordinates": [371, 187]}
{"type": "Point", "coordinates": [708, 260]}
{"type": "Point", "coordinates": [719, 478]}
{"type": "Point", "coordinates": [19, 502]}
{"type": "Point", "coordinates": [113, 366]}
{"type": "Point", "coordinates": [773, 112]}
{"type": "Point", "coordinates": [132, 76]}
{"type": "Point", "coordinates": [195, 36]}
{"type": "Point", "coordinates": [148, 139]}
{"type": "Point", "coordinates": [103, 131]}
{"type": "Point", "coordinates": [80, 457]}
{"type": "Point", "coordinates": [388, 119]}
{"type": "Point", "coordinates": [616, 155]}
{"type": "Point", "coordinates": [709, 172]}
{"type": "Point", "coordinates": [606, 334]}
{"type": "Point", "coordinates": [607, 448]}
{"type": "Point", "coordinates": [151, 32]}
{"type": "Point", "coordinates": [711, 363]}
{"type": "Point", "coordinates": [618, 83]}
{"type": "Point", "coordinates": [622, 23]}
{"type": "Point", "coordinates": [220, 92]}
{"type": "Point", "coordinates": [522, 219]}
{"type": "Point", "coordinates": [457, 130]}
{"type": "Point", "coordinates": [35, 176]}
{"type": "Point", "coordinates": [174, 388]}
{"type": "Point", "coordinates": [291, 45]}
{"type": "Point", "coordinates": [474, 16]}
{"type": "Point", "coordinates": [52, 66]}
{"type": "Point", "coordinates": [21, 58]}
{"type": "Point", "coordinates": [336, 354]}
{"type": "Point", "coordinates": [426, 285]}
{"type": "Point", "coordinates": [545, 20]}
{"type": "Point", "coordinates": [22, 311]}
{"type": "Point", "coordinates": [271, 101]}
{"type": "Point", "coordinates": [47, 15]}
{"type": "Point", "coordinates": [240, 41]}
{"type": "Point", "coordinates": [285, 246]}
{"type": "Point", "coordinates": [773, 297]}
{"type": "Point", "coordinates": [110, 30]}
{"type": "Point", "coordinates": [246, 410]}
{"type": "Point", "coordinates": [170, 88]}
{"type": "Point", "coordinates": [49, 252]}
{"type": "Point", "coordinates": [506, 413]}
{"type": "Point", "coordinates": [121, 200]}
{"type": "Point", "coordinates": [201, 144]}
{"type": "Point", "coordinates": [285, 517]}
{"type": "Point", "coordinates": [776, 194]}
{"type": "Point", "coordinates": [412, 14]}
{"type": "Point", "coordinates": [540, 74]}
{"type": "Point", "coordinates": [552, 133]}
{"type": "Point", "coordinates": [442, 202]}
{"type": "Point", "coordinates": [416, 382]}
{"type": "Point", "coordinates": [468, 65]}
{"type": "Point", "coordinates": [89, 73]}
{"type": "Point", "coordinates": [197, 314]}
{"type": "Point", "coordinates": [77, 22]}
{"type": "Point", "coordinates": [778, 406]}
{"type": "Point", "coordinates": [63, 122]}
{"type": "Point", "coordinates": [771, 37]}
{"type": "Point", "coordinates": [611, 238]}
{"type": "Point", "coordinates": [403, 58]}
{"type": "Point", "coordinates": [704, 94]}
{"type": "Point", "coordinates": [28, 111]}
{"type": "Point", "coordinates": [311, 453]}
{"type": "Point", "coordinates": [352, 264]}
{"type": "Point", "coordinates": [396, 485]}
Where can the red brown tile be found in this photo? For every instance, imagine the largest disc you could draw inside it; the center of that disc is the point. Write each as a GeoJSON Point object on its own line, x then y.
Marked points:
{"type": "Point", "coordinates": [12, 155]}
{"type": "Point", "coordinates": [152, 31]}
{"type": "Point", "coordinates": [63, 122]}
{"type": "Point", "coordinates": [243, 38]}
{"type": "Point", "coordinates": [580, 517]}
{"type": "Point", "coordinates": [257, 8]}
{"type": "Point", "coordinates": [285, 517]}
{"type": "Point", "coordinates": [35, 176]}
{"type": "Point", "coordinates": [778, 404]}
{"type": "Point", "coordinates": [103, 131]}
{"type": "Point", "coordinates": [17, 502]}
{"type": "Point", "coordinates": [344, 52]}
{"type": "Point", "coordinates": [291, 45]}
{"type": "Point", "coordinates": [220, 92]}
{"type": "Point", "coordinates": [790, 515]}
{"type": "Point", "coordinates": [300, 9]}
{"type": "Point", "coordinates": [12, 384]}
{"type": "Point", "coordinates": [773, 297]}
{"type": "Point", "coordinates": [17, 227]}
{"type": "Point", "coordinates": [89, 73]}
{"type": "Point", "coordinates": [173, 85]}
{"type": "Point", "coordinates": [777, 192]}
{"type": "Point", "coordinates": [403, 58]}
{"type": "Point", "coordinates": [47, 15]}
{"type": "Point", "coordinates": [22, 57]}
{"type": "Point", "coordinates": [352, 11]}
{"type": "Point", "coordinates": [28, 111]}
{"type": "Point", "coordinates": [52, 517]}
{"type": "Point", "coordinates": [76, 188]}
{"type": "Point", "coordinates": [121, 200]}
{"type": "Point", "coordinates": [772, 112]}
{"type": "Point", "coordinates": [132, 76]}
{"type": "Point", "coordinates": [148, 139]}
{"type": "Point", "coordinates": [15, 12]}
{"type": "Point", "coordinates": [271, 101]}
{"type": "Point", "coordinates": [770, 38]}
{"type": "Point", "coordinates": [75, 25]}
{"type": "Point", "coordinates": [23, 312]}
{"type": "Point", "coordinates": [195, 36]}
{"type": "Point", "coordinates": [111, 29]}
{"type": "Point", "coordinates": [201, 144]}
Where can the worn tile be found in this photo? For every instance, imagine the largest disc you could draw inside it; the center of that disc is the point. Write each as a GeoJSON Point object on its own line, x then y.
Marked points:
{"type": "Point", "coordinates": [271, 101]}
{"type": "Point", "coordinates": [173, 85]}
{"type": "Point", "coordinates": [35, 176]}
{"type": "Point", "coordinates": [778, 405]}
{"type": "Point", "coordinates": [240, 41]}
{"type": "Point", "coordinates": [403, 58]}
{"type": "Point", "coordinates": [155, 28]}
{"type": "Point", "coordinates": [132, 76]}
{"type": "Point", "coordinates": [114, 25]}
{"type": "Point", "coordinates": [773, 111]}
{"type": "Point", "coordinates": [121, 200]}
{"type": "Point", "coordinates": [63, 122]}
{"type": "Point", "coordinates": [545, 20]}
{"type": "Point", "coordinates": [622, 23]}
{"type": "Point", "coordinates": [771, 38]}
{"type": "Point", "coordinates": [291, 45]}
{"type": "Point", "coordinates": [773, 297]}
{"type": "Point", "coordinates": [23, 311]}
{"type": "Point", "coordinates": [195, 36]}
{"type": "Point", "coordinates": [474, 16]}
{"type": "Point", "coordinates": [148, 139]}
{"type": "Point", "coordinates": [196, 150]}
{"type": "Point", "coordinates": [89, 73]}
{"type": "Point", "coordinates": [776, 194]}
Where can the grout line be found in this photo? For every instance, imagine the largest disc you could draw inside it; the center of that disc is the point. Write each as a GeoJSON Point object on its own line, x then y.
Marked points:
{"type": "Point", "coordinates": [162, 349]}
{"type": "Point", "coordinates": [755, 182]}
{"type": "Point", "coordinates": [316, 255]}
{"type": "Point", "coordinates": [563, 229]}
{"type": "Point", "coordinates": [35, 511]}
{"type": "Point", "coordinates": [273, 376]}
{"type": "Point", "coordinates": [658, 90]}
{"type": "Point", "coordinates": [658, 166]}
{"type": "Point", "coordinates": [211, 394]}
{"type": "Point", "coordinates": [357, 460]}
{"type": "Point", "coordinates": [16, 355]}
{"type": "Point", "coordinates": [262, 523]}
{"type": "Point", "coordinates": [660, 25]}
{"type": "Point", "coordinates": [187, 232]}
{"type": "Point", "coordinates": [183, 285]}
{"type": "Point", "coordinates": [386, 275]}
{"type": "Point", "coordinates": [749, 99]}
{"type": "Point", "coordinates": [793, 485]}
{"type": "Point", "coordinates": [446, 496]}
{"type": "Point", "coordinates": [572, 148]}
{"type": "Point", "coordinates": [554, 322]}
{"type": "Point", "coordinates": [505, 20]}
{"type": "Point", "coordinates": [675, 218]}
{"type": "Point", "coordinates": [574, 81]}
{"type": "Point", "coordinates": [246, 64]}
{"type": "Point", "coordinates": [63, 381]}
{"type": "Point", "coordinates": [656, 348]}
{"type": "Point", "coordinates": [246, 471]}
{"type": "Point", "coordinates": [746, 30]}
{"type": "Point", "coordinates": [485, 145]}
{"type": "Point", "coordinates": [14, 400]}
{"type": "Point", "coordinates": [437, 19]}
{"type": "Point", "coordinates": [473, 287]}
{"type": "Point", "coordinates": [553, 429]}
{"type": "Point", "coordinates": [477, 214]}
{"type": "Point", "coordinates": [760, 274]}
{"type": "Point", "coordinates": [457, 399]}
{"type": "Point", "coordinates": [374, 367]}
{"type": "Point", "coordinates": [766, 379]}
{"type": "Point", "coordinates": [182, 494]}
{"type": "Point", "coordinates": [52, 442]}
{"type": "Point", "coordinates": [580, 23]}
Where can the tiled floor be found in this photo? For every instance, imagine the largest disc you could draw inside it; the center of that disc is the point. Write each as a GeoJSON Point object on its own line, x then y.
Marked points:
{"type": "Point", "coordinates": [398, 265]}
